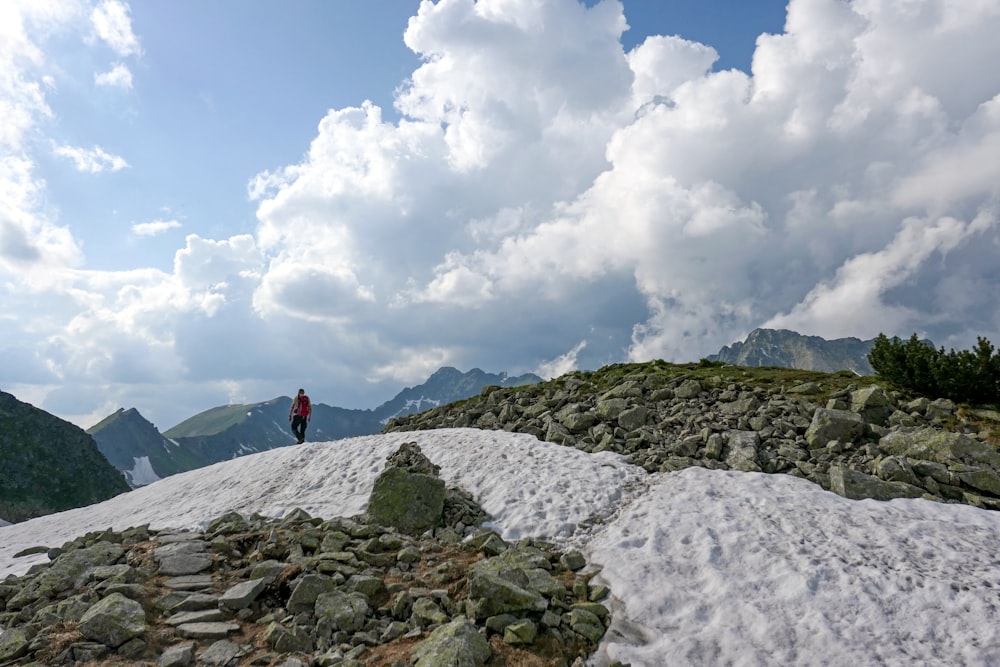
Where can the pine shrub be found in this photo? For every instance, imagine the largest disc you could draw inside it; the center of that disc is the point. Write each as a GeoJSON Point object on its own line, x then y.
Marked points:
{"type": "Point", "coordinates": [965, 376]}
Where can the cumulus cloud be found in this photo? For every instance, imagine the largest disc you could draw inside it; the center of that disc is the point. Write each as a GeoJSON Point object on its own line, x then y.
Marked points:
{"type": "Point", "coordinates": [154, 228]}
{"type": "Point", "coordinates": [546, 200]}
{"type": "Point", "coordinates": [118, 76]}
{"type": "Point", "coordinates": [562, 364]}
{"type": "Point", "coordinates": [94, 160]}
{"type": "Point", "coordinates": [536, 161]}
{"type": "Point", "coordinates": [112, 24]}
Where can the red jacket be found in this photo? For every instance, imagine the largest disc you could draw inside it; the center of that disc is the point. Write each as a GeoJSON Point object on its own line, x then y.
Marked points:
{"type": "Point", "coordinates": [301, 406]}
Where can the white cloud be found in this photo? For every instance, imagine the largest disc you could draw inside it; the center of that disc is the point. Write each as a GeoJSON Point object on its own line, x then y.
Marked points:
{"type": "Point", "coordinates": [113, 25]}
{"type": "Point", "coordinates": [118, 76]}
{"type": "Point", "coordinates": [564, 363]}
{"type": "Point", "coordinates": [411, 366]}
{"type": "Point", "coordinates": [94, 160]}
{"type": "Point", "coordinates": [544, 187]}
{"type": "Point", "coordinates": [154, 228]}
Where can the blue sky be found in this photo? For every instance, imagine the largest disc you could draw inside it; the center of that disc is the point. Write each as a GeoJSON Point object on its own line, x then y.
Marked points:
{"type": "Point", "coordinates": [212, 202]}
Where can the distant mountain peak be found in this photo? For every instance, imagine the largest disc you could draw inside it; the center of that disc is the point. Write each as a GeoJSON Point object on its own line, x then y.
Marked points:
{"type": "Point", "coordinates": [789, 349]}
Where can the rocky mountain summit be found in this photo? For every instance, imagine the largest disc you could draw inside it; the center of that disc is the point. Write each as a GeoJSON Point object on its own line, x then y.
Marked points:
{"type": "Point", "coordinates": [48, 465]}
{"type": "Point", "coordinates": [843, 432]}
{"type": "Point", "coordinates": [789, 349]}
{"type": "Point", "coordinates": [430, 589]}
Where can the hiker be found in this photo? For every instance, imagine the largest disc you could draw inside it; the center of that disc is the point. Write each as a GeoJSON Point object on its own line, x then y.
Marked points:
{"type": "Point", "coordinates": [299, 414]}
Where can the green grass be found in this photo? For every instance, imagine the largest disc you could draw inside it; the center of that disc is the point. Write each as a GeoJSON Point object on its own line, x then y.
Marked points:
{"type": "Point", "coordinates": [209, 422]}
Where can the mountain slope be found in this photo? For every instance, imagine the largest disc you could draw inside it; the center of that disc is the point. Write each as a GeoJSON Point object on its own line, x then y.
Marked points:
{"type": "Point", "coordinates": [230, 431]}
{"type": "Point", "coordinates": [48, 465]}
{"type": "Point", "coordinates": [789, 349]}
{"type": "Point", "coordinates": [446, 385]}
{"type": "Point", "coordinates": [133, 445]}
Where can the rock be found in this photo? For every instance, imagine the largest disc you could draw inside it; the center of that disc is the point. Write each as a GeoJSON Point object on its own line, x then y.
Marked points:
{"type": "Point", "coordinates": [113, 621]}
{"type": "Point", "coordinates": [493, 595]}
{"type": "Point", "coordinates": [220, 653]}
{"type": "Point", "coordinates": [410, 502]}
{"type": "Point", "coordinates": [743, 451]}
{"type": "Point", "coordinates": [830, 425]}
{"type": "Point", "coordinates": [688, 389]}
{"type": "Point", "coordinates": [940, 447]}
{"type": "Point", "coordinates": [13, 644]}
{"type": "Point", "coordinates": [210, 630]}
{"type": "Point", "coordinates": [457, 644]}
{"type": "Point", "coordinates": [179, 655]}
{"type": "Point", "coordinates": [308, 590]}
{"type": "Point", "coordinates": [342, 611]}
{"type": "Point", "coordinates": [806, 388]}
{"type": "Point", "coordinates": [65, 570]}
{"type": "Point", "coordinates": [633, 418]}
{"type": "Point", "coordinates": [872, 404]}
{"type": "Point", "coordinates": [858, 485]}
{"type": "Point", "coordinates": [242, 594]}
{"type": "Point", "coordinates": [520, 632]}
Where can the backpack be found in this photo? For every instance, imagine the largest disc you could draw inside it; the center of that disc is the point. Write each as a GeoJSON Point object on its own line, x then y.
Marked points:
{"type": "Point", "coordinates": [302, 409]}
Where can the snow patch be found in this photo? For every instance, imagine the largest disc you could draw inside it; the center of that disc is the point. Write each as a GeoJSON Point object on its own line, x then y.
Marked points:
{"type": "Point", "coordinates": [142, 472]}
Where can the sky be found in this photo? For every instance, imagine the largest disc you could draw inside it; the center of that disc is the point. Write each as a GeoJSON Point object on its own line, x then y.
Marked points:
{"type": "Point", "coordinates": [205, 203]}
{"type": "Point", "coordinates": [706, 567]}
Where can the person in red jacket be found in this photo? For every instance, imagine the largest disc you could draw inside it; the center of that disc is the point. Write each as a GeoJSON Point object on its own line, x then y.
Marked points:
{"type": "Point", "coordinates": [300, 414]}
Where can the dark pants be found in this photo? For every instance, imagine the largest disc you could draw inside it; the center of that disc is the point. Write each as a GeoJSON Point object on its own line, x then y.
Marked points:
{"type": "Point", "coordinates": [299, 428]}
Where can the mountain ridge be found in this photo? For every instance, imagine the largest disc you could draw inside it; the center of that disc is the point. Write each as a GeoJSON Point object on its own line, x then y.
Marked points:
{"type": "Point", "coordinates": [229, 431]}
{"type": "Point", "coordinates": [48, 464]}
{"type": "Point", "coordinates": [784, 348]}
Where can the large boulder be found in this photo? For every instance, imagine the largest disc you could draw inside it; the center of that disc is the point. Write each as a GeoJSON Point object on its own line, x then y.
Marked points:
{"type": "Point", "coordinates": [857, 485]}
{"type": "Point", "coordinates": [827, 425]}
{"type": "Point", "coordinates": [408, 495]}
{"type": "Point", "coordinates": [457, 644]}
{"type": "Point", "coordinates": [742, 452]}
{"type": "Point", "coordinates": [114, 620]}
{"type": "Point", "coordinates": [872, 404]}
{"type": "Point", "coordinates": [939, 446]}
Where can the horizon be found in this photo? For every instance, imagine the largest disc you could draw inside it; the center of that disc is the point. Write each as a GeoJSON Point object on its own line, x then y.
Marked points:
{"type": "Point", "coordinates": [347, 196]}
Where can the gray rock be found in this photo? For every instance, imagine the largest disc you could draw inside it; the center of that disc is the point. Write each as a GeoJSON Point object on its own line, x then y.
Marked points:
{"type": "Point", "coordinates": [307, 590]}
{"type": "Point", "coordinates": [342, 611]}
{"type": "Point", "coordinates": [858, 485]}
{"type": "Point", "coordinates": [457, 644]}
{"type": "Point", "coordinates": [828, 425]}
{"type": "Point", "coordinates": [940, 447]}
{"type": "Point", "coordinates": [221, 653]}
{"type": "Point", "coordinates": [633, 418]}
{"type": "Point", "coordinates": [13, 644]}
{"type": "Point", "coordinates": [872, 404]}
{"type": "Point", "coordinates": [242, 594]}
{"type": "Point", "coordinates": [203, 616]}
{"type": "Point", "coordinates": [178, 655]}
{"type": "Point", "coordinates": [742, 452]}
{"type": "Point", "coordinates": [410, 502]}
{"type": "Point", "coordinates": [209, 630]}
{"type": "Point", "coordinates": [113, 621]}
{"type": "Point", "coordinates": [688, 389]}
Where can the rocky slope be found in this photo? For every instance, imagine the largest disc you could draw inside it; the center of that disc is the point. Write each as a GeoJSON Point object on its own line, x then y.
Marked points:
{"type": "Point", "coordinates": [788, 349]}
{"type": "Point", "coordinates": [48, 465]}
{"type": "Point", "coordinates": [307, 591]}
{"type": "Point", "coordinates": [840, 431]}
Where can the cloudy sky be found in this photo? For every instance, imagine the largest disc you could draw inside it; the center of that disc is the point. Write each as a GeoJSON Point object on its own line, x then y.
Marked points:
{"type": "Point", "coordinates": [214, 202]}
